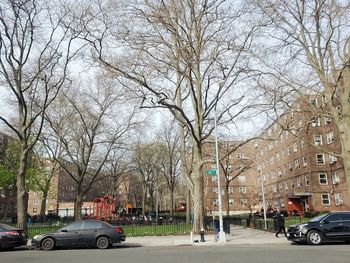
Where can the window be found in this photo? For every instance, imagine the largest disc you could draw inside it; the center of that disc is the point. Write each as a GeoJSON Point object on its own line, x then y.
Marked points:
{"type": "Point", "coordinates": [296, 164]}
{"type": "Point", "coordinates": [290, 167]}
{"type": "Point", "coordinates": [335, 178]}
{"type": "Point", "coordinates": [230, 190]}
{"type": "Point", "coordinates": [299, 182]}
{"type": "Point", "coordinates": [315, 122]}
{"type": "Point", "coordinates": [240, 155]}
{"type": "Point", "coordinates": [231, 201]}
{"type": "Point", "coordinates": [288, 150]}
{"type": "Point", "coordinates": [327, 120]}
{"type": "Point", "coordinates": [313, 102]}
{"type": "Point", "coordinates": [92, 224]}
{"type": "Point", "coordinates": [304, 161]}
{"type": "Point", "coordinates": [241, 178]}
{"type": "Point", "coordinates": [35, 202]}
{"type": "Point", "coordinates": [243, 201]}
{"type": "Point", "coordinates": [320, 159]}
{"type": "Point", "coordinates": [295, 147]}
{"type": "Point", "coordinates": [300, 123]}
{"type": "Point", "coordinates": [243, 189]}
{"type": "Point", "coordinates": [285, 185]}
{"type": "Point", "coordinates": [325, 199]}
{"type": "Point", "coordinates": [338, 199]}
{"type": "Point", "coordinates": [215, 202]}
{"type": "Point", "coordinates": [318, 139]}
{"type": "Point", "coordinates": [330, 137]}
{"type": "Point", "coordinates": [214, 178]}
{"type": "Point", "coordinates": [292, 184]}
{"type": "Point", "coordinates": [323, 178]}
{"type": "Point", "coordinates": [302, 143]}
{"type": "Point", "coordinates": [332, 159]}
{"type": "Point", "coordinates": [75, 226]}
{"type": "Point", "coordinates": [307, 180]}
{"type": "Point", "coordinates": [215, 190]}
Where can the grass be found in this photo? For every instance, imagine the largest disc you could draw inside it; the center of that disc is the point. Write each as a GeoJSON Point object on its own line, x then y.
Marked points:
{"type": "Point", "coordinates": [131, 230]}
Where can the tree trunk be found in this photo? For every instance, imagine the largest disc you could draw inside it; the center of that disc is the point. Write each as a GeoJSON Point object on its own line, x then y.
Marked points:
{"type": "Point", "coordinates": [198, 207]}
{"type": "Point", "coordinates": [43, 204]}
{"type": "Point", "coordinates": [22, 194]}
{"type": "Point", "coordinates": [345, 141]}
{"type": "Point", "coordinates": [78, 205]}
{"type": "Point", "coordinates": [172, 201]}
{"type": "Point", "coordinates": [227, 185]}
{"type": "Point", "coordinates": [188, 207]}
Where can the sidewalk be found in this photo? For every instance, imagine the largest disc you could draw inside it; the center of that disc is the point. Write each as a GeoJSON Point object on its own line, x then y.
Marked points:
{"type": "Point", "coordinates": [239, 236]}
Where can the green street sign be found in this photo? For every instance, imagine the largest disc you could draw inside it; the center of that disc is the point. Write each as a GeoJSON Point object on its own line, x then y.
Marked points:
{"type": "Point", "coordinates": [211, 172]}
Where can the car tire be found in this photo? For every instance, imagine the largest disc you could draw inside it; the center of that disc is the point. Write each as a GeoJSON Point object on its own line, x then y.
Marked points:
{"type": "Point", "coordinates": [47, 244]}
{"type": "Point", "coordinates": [314, 238]}
{"type": "Point", "coordinates": [102, 242]}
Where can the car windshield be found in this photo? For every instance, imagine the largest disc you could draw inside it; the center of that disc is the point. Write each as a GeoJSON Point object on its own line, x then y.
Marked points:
{"type": "Point", "coordinates": [317, 218]}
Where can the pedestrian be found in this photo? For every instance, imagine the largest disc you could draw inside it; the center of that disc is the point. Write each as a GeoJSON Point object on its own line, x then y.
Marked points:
{"type": "Point", "coordinates": [280, 224]}
{"type": "Point", "coordinates": [216, 229]}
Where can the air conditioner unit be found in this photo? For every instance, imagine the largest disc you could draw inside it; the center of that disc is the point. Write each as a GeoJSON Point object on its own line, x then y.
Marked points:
{"type": "Point", "coordinates": [340, 202]}
{"type": "Point", "coordinates": [299, 185]}
{"type": "Point", "coordinates": [332, 161]}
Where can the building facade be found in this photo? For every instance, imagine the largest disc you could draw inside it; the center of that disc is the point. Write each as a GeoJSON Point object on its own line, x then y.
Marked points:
{"type": "Point", "coordinates": [298, 157]}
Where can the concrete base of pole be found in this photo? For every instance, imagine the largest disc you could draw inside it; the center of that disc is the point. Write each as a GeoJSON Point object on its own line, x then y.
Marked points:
{"type": "Point", "coordinates": [222, 237]}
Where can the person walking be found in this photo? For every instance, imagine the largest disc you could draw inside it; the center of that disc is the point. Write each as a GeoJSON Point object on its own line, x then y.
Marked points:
{"type": "Point", "coordinates": [280, 224]}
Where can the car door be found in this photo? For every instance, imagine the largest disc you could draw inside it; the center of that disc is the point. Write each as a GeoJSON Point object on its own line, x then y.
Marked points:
{"type": "Point", "coordinates": [69, 236]}
{"type": "Point", "coordinates": [332, 226]}
{"type": "Point", "coordinates": [89, 233]}
{"type": "Point", "coordinates": [345, 217]}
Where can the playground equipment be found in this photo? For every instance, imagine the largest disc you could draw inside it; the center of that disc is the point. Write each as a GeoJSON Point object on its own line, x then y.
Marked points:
{"type": "Point", "coordinates": [103, 208]}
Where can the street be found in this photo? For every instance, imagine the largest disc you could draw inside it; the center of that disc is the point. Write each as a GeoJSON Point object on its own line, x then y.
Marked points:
{"type": "Point", "coordinates": [279, 253]}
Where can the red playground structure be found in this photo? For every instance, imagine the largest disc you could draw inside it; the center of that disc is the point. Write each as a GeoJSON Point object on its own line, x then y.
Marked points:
{"type": "Point", "coordinates": [103, 208]}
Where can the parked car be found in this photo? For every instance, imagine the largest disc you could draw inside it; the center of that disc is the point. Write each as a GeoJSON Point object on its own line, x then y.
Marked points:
{"type": "Point", "coordinates": [11, 237]}
{"type": "Point", "coordinates": [334, 226]}
{"type": "Point", "coordinates": [88, 233]}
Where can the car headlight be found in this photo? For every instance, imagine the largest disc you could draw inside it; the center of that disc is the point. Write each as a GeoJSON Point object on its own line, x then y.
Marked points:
{"type": "Point", "coordinates": [301, 226]}
{"type": "Point", "coordinates": [36, 237]}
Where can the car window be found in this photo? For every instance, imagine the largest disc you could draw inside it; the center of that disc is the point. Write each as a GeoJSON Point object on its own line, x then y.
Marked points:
{"type": "Point", "coordinates": [91, 225]}
{"type": "Point", "coordinates": [333, 218]}
{"type": "Point", "coordinates": [345, 217]}
{"type": "Point", "coordinates": [74, 226]}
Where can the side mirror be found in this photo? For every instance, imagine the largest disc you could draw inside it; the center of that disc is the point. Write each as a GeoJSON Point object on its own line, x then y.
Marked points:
{"type": "Point", "coordinates": [325, 221]}
{"type": "Point", "coordinates": [64, 230]}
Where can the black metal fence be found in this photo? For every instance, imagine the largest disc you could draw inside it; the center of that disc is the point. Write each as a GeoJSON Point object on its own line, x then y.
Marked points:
{"type": "Point", "coordinates": [258, 223]}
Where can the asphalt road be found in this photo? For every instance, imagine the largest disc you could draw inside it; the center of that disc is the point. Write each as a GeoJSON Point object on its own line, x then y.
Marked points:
{"type": "Point", "coordinates": [280, 253]}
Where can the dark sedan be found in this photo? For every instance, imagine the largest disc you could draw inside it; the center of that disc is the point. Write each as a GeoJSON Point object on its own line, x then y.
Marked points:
{"type": "Point", "coordinates": [88, 233]}
{"type": "Point", "coordinates": [11, 237]}
{"type": "Point", "coordinates": [334, 226]}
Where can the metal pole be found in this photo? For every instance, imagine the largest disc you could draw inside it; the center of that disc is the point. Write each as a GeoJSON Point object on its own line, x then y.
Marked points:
{"type": "Point", "coordinates": [263, 196]}
{"type": "Point", "coordinates": [157, 203]}
{"type": "Point", "coordinates": [222, 237]}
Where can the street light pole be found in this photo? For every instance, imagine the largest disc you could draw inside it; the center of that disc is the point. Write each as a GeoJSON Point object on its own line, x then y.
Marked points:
{"type": "Point", "coordinates": [222, 237]}
{"type": "Point", "coordinates": [263, 195]}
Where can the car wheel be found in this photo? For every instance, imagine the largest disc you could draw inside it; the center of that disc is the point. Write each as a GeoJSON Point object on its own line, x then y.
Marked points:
{"type": "Point", "coordinates": [102, 242]}
{"type": "Point", "coordinates": [314, 237]}
{"type": "Point", "coordinates": [48, 244]}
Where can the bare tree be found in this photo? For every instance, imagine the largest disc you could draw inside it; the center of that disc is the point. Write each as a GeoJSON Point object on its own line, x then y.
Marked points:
{"type": "Point", "coordinates": [146, 158]}
{"type": "Point", "coordinates": [316, 38]}
{"type": "Point", "coordinates": [184, 56]}
{"type": "Point", "coordinates": [35, 49]}
{"type": "Point", "coordinates": [88, 128]}
{"type": "Point", "coordinates": [170, 162]}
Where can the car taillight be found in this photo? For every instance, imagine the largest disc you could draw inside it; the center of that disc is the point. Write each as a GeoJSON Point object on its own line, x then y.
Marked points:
{"type": "Point", "coordinates": [118, 229]}
{"type": "Point", "coordinates": [10, 233]}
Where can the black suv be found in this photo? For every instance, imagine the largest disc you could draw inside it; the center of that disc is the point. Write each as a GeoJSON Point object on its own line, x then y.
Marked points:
{"type": "Point", "coordinates": [334, 226]}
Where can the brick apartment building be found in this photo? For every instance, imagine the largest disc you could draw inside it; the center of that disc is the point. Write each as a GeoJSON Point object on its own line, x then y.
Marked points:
{"type": "Point", "coordinates": [296, 156]}
{"type": "Point", "coordinates": [61, 196]}
{"type": "Point", "coordinates": [238, 179]}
